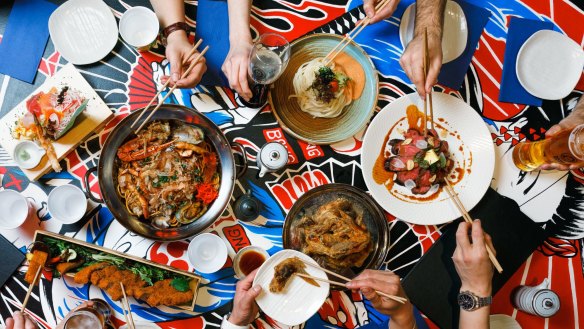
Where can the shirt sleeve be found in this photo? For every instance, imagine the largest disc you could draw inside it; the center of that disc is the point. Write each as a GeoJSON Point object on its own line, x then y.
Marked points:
{"type": "Point", "coordinates": [225, 324]}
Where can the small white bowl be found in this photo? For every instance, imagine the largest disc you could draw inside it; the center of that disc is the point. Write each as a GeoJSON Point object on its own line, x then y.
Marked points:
{"type": "Point", "coordinates": [15, 209]}
{"type": "Point", "coordinates": [67, 204]}
{"type": "Point", "coordinates": [27, 154]}
{"type": "Point", "coordinates": [207, 253]}
{"type": "Point", "coordinates": [139, 27]}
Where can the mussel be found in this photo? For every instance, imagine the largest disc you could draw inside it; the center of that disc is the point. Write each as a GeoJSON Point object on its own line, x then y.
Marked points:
{"type": "Point", "coordinates": [189, 212]}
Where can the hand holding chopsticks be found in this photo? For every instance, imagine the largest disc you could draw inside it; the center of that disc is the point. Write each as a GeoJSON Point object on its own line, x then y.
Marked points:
{"type": "Point", "coordinates": [358, 28]}
{"type": "Point", "coordinates": [398, 299]}
{"type": "Point", "coordinates": [185, 73]}
{"type": "Point", "coordinates": [469, 220]}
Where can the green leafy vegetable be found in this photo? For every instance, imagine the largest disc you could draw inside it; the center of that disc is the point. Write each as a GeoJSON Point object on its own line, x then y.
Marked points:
{"type": "Point", "coordinates": [181, 284]}
{"type": "Point", "coordinates": [114, 260]}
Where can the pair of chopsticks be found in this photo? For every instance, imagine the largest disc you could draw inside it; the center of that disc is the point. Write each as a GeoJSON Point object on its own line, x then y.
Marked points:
{"type": "Point", "coordinates": [126, 309]}
{"type": "Point", "coordinates": [30, 287]}
{"type": "Point", "coordinates": [398, 299]}
{"type": "Point", "coordinates": [193, 63]}
{"type": "Point", "coordinates": [429, 96]}
{"type": "Point", "coordinates": [348, 38]}
{"type": "Point", "coordinates": [469, 220]}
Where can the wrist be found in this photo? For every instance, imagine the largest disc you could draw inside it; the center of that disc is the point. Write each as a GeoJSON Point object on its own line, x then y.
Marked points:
{"type": "Point", "coordinates": [237, 320]}
{"type": "Point", "coordinates": [479, 290]}
{"type": "Point", "coordinates": [403, 317]}
{"type": "Point", "coordinates": [178, 35]}
{"type": "Point", "coordinates": [240, 38]}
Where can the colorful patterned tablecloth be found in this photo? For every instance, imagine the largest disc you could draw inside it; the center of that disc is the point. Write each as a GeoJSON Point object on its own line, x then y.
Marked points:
{"type": "Point", "coordinates": [126, 80]}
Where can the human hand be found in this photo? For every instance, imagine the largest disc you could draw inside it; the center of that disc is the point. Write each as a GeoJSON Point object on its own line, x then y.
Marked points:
{"type": "Point", "coordinates": [236, 65]}
{"type": "Point", "coordinates": [245, 309]}
{"type": "Point", "coordinates": [20, 320]}
{"type": "Point", "coordinates": [412, 61]}
{"type": "Point", "coordinates": [177, 48]}
{"type": "Point", "coordinates": [61, 324]}
{"type": "Point", "coordinates": [389, 283]}
{"type": "Point", "coordinates": [385, 12]}
{"type": "Point", "coordinates": [471, 260]}
{"type": "Point", "coordinates": [575, 118]}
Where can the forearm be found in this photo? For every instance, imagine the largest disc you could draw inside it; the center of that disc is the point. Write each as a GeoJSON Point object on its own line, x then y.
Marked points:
{"type": "Point", "coordinates": [430, 16]}
{"type": "Point", "coordinates": [477, 319]}
{"type": "Point", "coordinates": [169, 11]}
{"type": "Point", "coordinates": [239, 12]}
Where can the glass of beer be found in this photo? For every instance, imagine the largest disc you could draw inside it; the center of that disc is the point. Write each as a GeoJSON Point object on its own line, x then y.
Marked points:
{"type": "Point", "coordinates": [566, 148]}
{"type": "Point", "coordinates": [95, 316]}
{"type": "Point", "coordinates": [267, 60]}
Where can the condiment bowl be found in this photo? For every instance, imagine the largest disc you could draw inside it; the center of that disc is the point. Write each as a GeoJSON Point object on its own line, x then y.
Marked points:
{"type": "Point", "coordinates": [67, 204]}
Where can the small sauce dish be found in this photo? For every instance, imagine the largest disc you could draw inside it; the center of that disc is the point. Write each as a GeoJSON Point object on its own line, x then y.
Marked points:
{"type": "Point", "coordinates": [28, 154]}
{"type": "Point", "coordinates": [15, 209]}
{"type": "Point", "coordinates": [207, 253]}
{"type": "Point", "coordinates": [67, 204]}
{"type": "Point", "coordinates": [248, 259]}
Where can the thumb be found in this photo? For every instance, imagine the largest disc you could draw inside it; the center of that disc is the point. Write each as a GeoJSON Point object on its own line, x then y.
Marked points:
{"type": "Point", "coordinates": [553, 130]}
{"type": "Point", "coordinates": [368, 7]}
{"type": "Point", "coordinates": [254, 292]}
{"type": "Point", "coordinates": [175, 68]}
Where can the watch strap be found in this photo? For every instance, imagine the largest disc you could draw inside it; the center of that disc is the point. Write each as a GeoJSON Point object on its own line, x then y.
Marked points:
{"type": "Point", "coordinates": [225, 324]}
{"type": "Point", "coordinates": [478, 302]}
{"type": "Point", "coordinates": [175, 27]}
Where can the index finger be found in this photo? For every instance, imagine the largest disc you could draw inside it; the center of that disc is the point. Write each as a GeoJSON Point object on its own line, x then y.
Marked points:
{"type": "Point", "coordinates": [478, 235]}
{"type": "Point", "coordinates": [247, 282]}
{"type": "Point", "coordinates": [194, 76]}
{"type": "Point", "coordinates": [462, 236]}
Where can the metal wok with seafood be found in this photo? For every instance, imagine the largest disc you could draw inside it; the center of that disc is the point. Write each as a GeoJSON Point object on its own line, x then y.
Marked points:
{"type": "Point", "coordinates": [168, 174]}
{"type": "Point", "coordinates": [172, 179]}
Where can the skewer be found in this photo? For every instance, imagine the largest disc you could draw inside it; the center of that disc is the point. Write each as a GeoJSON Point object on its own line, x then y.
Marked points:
{"type": "Point", "coordinates": [426, 64]}
{"type": "Point", "coordinates": [469, 220]}
{"type": "Point", "coordinates": [193, 63]}
{"type": "Point", "coordinates": [348, 39]}
{"type": "Point", "coordinates": [30, 287]}
{"type": "Point", "coordinates": [396, 298]}
{"type": "Point", "coordinates": [165, 85]}
{"type": "Point", "coordinates": [125, 300]}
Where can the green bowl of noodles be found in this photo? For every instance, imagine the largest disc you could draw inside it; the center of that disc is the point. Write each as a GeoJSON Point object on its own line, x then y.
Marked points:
{"type": "Point", "coordinates": [298, 109]}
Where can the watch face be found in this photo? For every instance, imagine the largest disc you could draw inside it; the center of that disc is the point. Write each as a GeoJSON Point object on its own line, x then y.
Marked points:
{"type": "Point", "coordinates": [466, 301]}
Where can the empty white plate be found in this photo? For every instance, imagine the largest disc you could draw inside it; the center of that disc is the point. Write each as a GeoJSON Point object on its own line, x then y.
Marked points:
{"type": "Point", "coordinates": [83, 31]}
{"type": "Point", "coordinates": [549, 65]}
{"type": "Point", "coordinates": [454, 36]}
{"type": "Point", "coordinates": [299, 300]}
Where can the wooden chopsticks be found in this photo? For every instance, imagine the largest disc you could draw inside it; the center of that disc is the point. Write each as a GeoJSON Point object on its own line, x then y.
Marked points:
{"type": "Point", "coordinates": [126, 308]}
{"type": "Point", "coordinates": [429, 96]}
{"type": "Point", "coordinates": [348, 37]}
{"type": "Point", "coordinates": [399, 299]}
{"type": "Point", "coordinates": [30, 287]}
{"type": "Point", "coordinates": [469, 220]}
{"type": "Point", "coordinates": [185, 73]}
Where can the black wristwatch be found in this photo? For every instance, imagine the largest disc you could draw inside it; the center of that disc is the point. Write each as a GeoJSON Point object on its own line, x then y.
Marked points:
{"type": "Point", "coordinates": [468, 301]}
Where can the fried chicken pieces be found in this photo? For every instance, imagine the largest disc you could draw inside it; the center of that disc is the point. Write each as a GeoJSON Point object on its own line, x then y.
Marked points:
{"type": "Point", "coordinates": [108, 278]}
{"type": "Point", "coordinates": [284, 271]}
{"type": "Point", "coordinates": [335, 236]}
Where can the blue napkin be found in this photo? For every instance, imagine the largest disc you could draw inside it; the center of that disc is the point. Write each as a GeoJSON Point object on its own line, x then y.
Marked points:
{"type": "Point", "coordinates": [452, 73]}
{"type": "Point", "coordinates": [213, 28]}
{"type": "Point", "coordinates": [25, 38]}
{"type": "Point", "coordinates": [520, 29]}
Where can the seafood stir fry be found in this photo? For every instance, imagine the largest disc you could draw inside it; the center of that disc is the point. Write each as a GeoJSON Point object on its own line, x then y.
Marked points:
{"type": "Point", "coordinates": [168, 174]}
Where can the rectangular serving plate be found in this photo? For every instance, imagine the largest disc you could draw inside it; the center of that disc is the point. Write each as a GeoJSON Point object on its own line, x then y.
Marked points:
{"type": "Point", "coordinates": [194, 287]}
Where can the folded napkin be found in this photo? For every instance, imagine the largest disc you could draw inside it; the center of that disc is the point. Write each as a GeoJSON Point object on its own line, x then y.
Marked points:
{"type": "Point", "coordinates": [12, 257]}
{"type": "Point", "coordinates": [452, 73]}
{"type": "Point", "coordinates": [213, 28]}
{"type": "Point", "coordinates": [433, 284]}
{"type": "Point", "coordinates": [25, 38]}
{"type": "Point", "coordinates": [519, 31]}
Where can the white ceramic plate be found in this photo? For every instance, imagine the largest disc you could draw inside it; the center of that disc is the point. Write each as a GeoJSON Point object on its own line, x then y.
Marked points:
{"type": "Point", "coordinates": [83, 31]}
{"type": "Point", "coordinates": [469, 133]}
{"type": "Point", "coordinates": [299, 300]}
{"type": "Point", "coordinates": [455, 34]}
{"type": "Point", "coordinates": [549, 65]}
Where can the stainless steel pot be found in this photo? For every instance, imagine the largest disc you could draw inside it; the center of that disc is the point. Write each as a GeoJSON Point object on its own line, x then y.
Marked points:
{"type": "Point", "coordinates": [108, 167]}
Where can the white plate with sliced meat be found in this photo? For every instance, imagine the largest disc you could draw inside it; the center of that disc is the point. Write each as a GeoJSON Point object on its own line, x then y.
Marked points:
{"type": "Point", "coordinates": [285, 297]}
{"type": "Point", "coordinates": [405, 171]}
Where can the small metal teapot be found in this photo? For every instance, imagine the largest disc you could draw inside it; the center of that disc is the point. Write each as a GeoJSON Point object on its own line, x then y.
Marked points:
{"type": "Point", "coordinates": [272, 157]}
